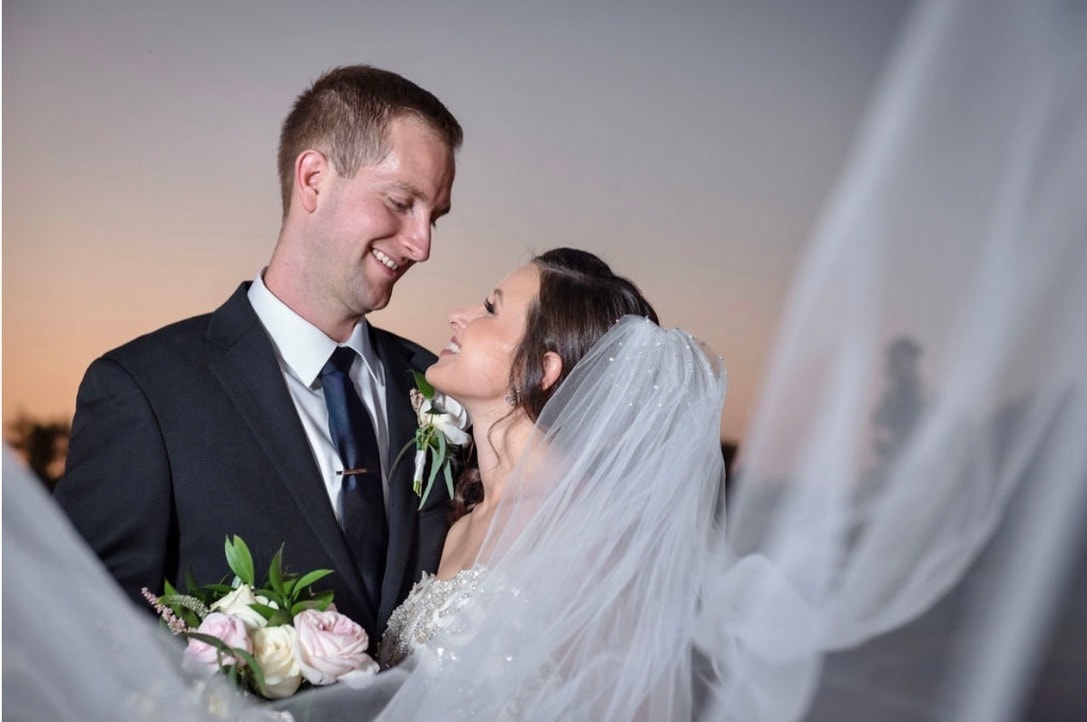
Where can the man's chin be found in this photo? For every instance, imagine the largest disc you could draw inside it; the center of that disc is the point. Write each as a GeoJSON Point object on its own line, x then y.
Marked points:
{"type": "Point", "coordinates": [373, 301]}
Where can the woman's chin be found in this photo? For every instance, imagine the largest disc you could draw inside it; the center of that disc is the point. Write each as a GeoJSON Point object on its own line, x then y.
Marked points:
{"type": "Point", "coordinates": [436, 377]}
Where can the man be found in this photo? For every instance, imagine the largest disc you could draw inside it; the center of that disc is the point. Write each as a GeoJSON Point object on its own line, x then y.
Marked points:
{"type": "Point", "coordinates": [225, 424]}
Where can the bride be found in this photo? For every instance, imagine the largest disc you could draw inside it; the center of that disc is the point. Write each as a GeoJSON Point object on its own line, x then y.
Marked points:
{"type": "Point", "coordinates": [903, 540]}
{"type": "Point", "coordinates": [508, 356]}
{"type": "Point", "coordinates": [570, 588]}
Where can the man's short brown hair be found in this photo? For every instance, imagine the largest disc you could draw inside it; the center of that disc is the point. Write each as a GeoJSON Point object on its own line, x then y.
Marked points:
{"type": "Point", "coordinates": [345, 114]}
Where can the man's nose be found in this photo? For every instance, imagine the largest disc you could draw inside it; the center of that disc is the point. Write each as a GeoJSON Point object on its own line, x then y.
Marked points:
{"type": "Point", "coordinates": [416, 240]}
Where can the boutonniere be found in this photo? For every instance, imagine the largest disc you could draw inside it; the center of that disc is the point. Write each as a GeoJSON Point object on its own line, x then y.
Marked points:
{"type": "Point", "coordinates": [442, 423]}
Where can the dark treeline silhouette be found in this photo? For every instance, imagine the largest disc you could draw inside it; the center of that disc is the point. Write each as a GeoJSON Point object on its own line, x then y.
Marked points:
{"type": "Point", "coordinates": [43, 445]}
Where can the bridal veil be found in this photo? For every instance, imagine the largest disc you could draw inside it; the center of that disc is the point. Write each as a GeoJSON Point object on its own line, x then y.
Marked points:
{"type": "Point", "coordinates": [904, 532]}
{"type": "Point", "coordinates": [920, 436]}
{"type": "Point", "coordinates": [903, 535]}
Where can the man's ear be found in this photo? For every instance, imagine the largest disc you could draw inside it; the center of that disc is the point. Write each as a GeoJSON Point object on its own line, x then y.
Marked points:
{"type": "Point", "coordinates": [311, 167]}
{"type": "Point", "coordinates": [552, 369]}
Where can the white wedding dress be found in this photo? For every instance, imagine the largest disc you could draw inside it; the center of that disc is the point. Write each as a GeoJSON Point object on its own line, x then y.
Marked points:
{"type": "Point", "coordinates": [430, 607]}
{"type": "Point", "coordinates": [617, 586]}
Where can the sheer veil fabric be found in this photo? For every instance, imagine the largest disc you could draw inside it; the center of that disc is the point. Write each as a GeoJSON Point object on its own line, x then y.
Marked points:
{"type": "Point", "coordinates": [75, 648]}
{"type": "Point", "coordinates": [927, 393]}
{"type": "Point", "coordinates": [598, 551]}
{"type": "Point", "coordinates": [919, 435]}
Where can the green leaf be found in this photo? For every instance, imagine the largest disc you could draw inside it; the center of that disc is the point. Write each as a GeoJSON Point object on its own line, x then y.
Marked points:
{"type": "Point", "coordinates": [434, 464]}
{"type": "Point", "coordinates": [190, 581]}
{"type": "Point", "coordinates": [168, 589]}
{"type": "Point", "coordinates": [275, 572]}
{"type": "Point", "coordinates": [310, 578]}
{"type": "Point", "coordinates": [423, 385]}
{"type": "Point", "coordinates": [253, 668]}
{"type": "Point", "coordinates": [442, 447]}
{"type": "Point", "coordinates": [319, 602]}
{"type": "Point", "coordinates": [240, 560]}
{"type": "Point", "coordinates": [280, 617]}
{"type": "Point", "coordinates": [447, 469]}
{"type": "Point", "coordinates": [264, 610]}
{"type": "Point", "coordinates": [213, 590]}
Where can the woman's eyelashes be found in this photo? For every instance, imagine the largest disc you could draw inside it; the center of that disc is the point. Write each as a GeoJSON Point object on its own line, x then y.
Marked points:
{"type": "Point", "coordinates": [488, 306]}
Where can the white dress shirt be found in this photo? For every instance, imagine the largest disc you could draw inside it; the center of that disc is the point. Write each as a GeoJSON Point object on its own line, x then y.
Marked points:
{"type": "Point", "coordinates": [302, 350]}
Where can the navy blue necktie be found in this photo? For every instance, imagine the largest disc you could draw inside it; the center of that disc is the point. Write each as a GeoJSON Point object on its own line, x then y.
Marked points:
{"type": "Point", "coordinates": [362, 501]}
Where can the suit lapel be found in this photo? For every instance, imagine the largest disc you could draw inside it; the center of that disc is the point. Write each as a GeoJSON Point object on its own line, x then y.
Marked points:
{"type": "Point", "coordinates": [403, 503]}
{"type": "Point", "coordinates": [244, 361]}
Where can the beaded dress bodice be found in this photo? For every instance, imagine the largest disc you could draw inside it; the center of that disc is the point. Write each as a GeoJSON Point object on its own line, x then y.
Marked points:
{"type": "Point", "coordinates": [430, 606]}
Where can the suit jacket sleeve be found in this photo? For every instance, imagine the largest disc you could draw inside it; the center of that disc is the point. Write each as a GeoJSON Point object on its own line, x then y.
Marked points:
{"type": "Point", "coordinates": [116, 488]}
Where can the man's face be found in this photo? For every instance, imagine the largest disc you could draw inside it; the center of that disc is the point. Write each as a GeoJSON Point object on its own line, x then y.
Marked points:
{"type": "Point", "coordinates": [370, 229]}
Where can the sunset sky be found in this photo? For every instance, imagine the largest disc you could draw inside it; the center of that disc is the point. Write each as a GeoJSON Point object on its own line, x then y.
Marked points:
{"type": "Point", "coordinates": [691, 146]}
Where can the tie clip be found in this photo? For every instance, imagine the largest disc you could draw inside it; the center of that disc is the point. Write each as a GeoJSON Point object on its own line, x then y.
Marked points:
{"type": "Point", "coordinates": [352, 472]}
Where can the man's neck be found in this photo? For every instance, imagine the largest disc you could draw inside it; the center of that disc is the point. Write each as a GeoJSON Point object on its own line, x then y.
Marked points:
{"type": "Point", "coordinates": [337, 326]}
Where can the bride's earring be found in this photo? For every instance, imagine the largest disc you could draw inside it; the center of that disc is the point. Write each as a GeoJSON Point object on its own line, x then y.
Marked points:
{"type": "Point", "coordinates": [514, 397]}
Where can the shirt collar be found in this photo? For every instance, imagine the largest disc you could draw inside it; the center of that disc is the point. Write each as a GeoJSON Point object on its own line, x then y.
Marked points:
{"type": "Point", "coordinates": [304, 348]}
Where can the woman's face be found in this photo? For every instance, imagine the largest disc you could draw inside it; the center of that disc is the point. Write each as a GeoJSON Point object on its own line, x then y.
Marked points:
{"type": "Point", "coordinates": [475, 366]}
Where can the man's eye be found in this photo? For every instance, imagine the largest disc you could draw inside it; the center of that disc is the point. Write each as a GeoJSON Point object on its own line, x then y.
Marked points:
{"type": "Point", "coordinates": [400, 205]}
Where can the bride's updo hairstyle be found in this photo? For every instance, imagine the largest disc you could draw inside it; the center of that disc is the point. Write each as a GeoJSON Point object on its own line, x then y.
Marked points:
{"type": "Point", "coordinates": [580, 299]}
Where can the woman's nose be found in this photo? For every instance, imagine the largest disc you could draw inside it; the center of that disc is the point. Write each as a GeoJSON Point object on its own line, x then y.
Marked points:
{"type": "Point", "coordinates": [461, 317]}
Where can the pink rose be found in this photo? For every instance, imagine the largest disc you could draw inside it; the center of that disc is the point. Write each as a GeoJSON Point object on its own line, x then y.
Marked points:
{"type": "Point", "coordinates": [330, 646]}
{"type": "Point", "coordinates": [226, 627]}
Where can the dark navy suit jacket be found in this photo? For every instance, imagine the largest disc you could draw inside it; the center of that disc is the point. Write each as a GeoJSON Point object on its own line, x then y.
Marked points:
{"type": "Point", "coordinates": [188, 435]}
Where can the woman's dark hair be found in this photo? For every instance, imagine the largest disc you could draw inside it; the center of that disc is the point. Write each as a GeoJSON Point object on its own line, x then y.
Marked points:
{"type": "Point", "coordinates": [580, 299]}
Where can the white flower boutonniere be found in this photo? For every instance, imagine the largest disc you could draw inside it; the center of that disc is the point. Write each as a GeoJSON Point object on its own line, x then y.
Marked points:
{"type": "Point", "coordinates": [442, 423]}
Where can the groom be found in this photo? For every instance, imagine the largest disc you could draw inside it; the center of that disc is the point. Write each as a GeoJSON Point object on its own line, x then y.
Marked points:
{"type": "Point", "coordinates": [220, 424]}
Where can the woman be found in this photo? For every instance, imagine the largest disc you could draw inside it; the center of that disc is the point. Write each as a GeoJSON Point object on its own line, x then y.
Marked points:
{"type": "Point", "coordinates": [508, 358]}
{"type": "Point", "coordinates": [570, 582]}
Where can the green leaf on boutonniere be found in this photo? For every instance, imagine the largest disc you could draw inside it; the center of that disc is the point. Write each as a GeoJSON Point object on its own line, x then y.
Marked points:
{"type": "Point", "coordinates": [423, 385]}
{"type": "Point", "coordinates": [435, 464]}
{"type": "Point", "coordinates": [448, 479]}
{"type": "Point", "coordinates": [240, 560]}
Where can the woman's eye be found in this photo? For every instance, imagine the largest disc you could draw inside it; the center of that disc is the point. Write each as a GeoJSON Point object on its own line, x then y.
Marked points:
{"type": "Point", "coordinates": [488, 306]}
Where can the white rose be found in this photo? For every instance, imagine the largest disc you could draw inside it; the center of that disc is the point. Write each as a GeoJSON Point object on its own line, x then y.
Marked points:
{"type": "Point", "coordinates": [238, 604]}
{"type": "Point", "coordinates": [273, 648]}
{"type": "Point", "coordinates": [452, 421]}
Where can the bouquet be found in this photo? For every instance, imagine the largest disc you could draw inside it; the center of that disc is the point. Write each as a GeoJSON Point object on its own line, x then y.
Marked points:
{"type": "Point", "coordinates": [272, 639]}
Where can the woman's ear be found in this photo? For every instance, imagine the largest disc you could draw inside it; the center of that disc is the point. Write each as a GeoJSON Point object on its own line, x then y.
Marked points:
{"type": "Point", "coordinates": [552, 369]}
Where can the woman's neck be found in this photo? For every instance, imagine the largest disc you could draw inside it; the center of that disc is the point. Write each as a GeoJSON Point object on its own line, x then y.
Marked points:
{"type": "Point", "coordinates": [500, 443]}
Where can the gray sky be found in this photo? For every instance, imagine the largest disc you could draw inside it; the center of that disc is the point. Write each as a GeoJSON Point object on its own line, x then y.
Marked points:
{"type": "Point", "coordinates": [691, 146]}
